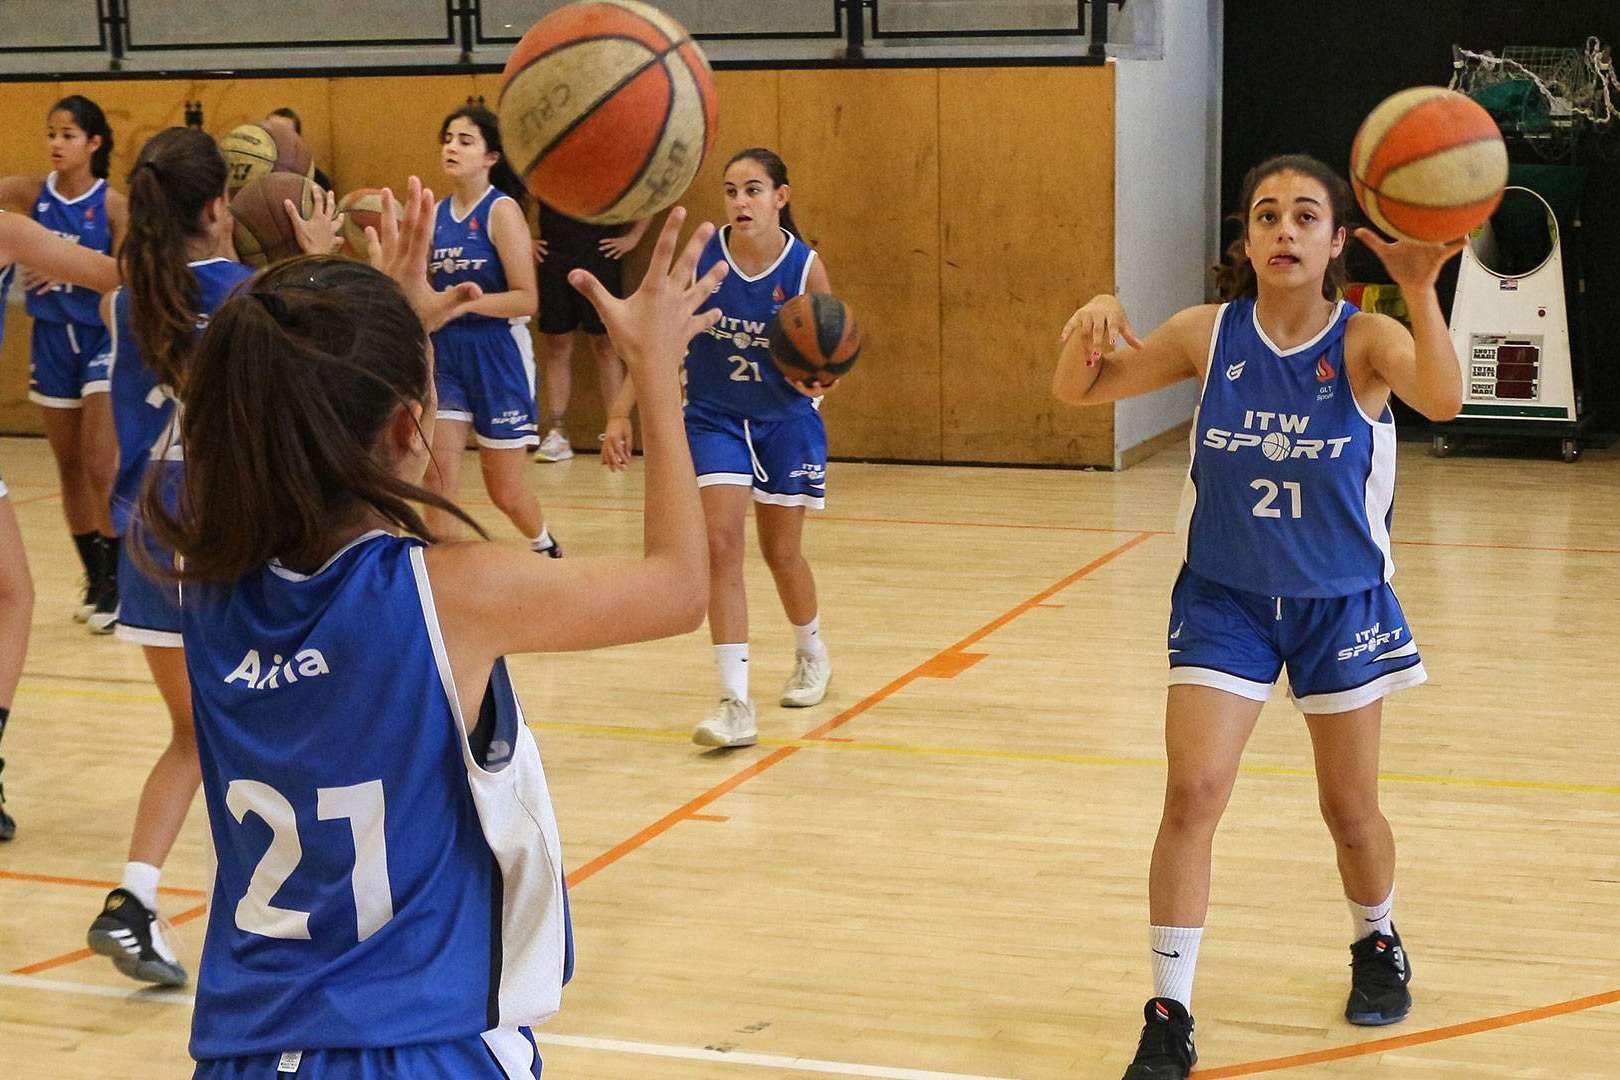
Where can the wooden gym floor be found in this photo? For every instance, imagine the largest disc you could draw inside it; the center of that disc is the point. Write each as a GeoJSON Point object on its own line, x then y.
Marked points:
{"type": "Point", "coordinates": [941, 872]}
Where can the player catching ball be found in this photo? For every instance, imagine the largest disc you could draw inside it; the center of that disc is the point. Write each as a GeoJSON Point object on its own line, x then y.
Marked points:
{"type": "Point", "coordinates": [1285, 524]}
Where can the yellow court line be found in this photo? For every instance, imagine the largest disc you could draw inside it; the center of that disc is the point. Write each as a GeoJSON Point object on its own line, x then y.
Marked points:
{"type": "Point", "coordinates": [1049, 757]}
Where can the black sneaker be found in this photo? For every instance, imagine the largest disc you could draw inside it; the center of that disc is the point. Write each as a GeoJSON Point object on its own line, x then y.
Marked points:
{"type": "Point", "coordinates": [8, 827]}
{"type": "Point", "coordinates": [130, 933]}
{"type": "Point", "coordinates": [105, 616]}
{"type": "Point", "coordinates": [1379, 972]}
{"type": "Point", "coordinates": [1166, 1050]}
{"type": "Point", "coordinates": [552, 552]}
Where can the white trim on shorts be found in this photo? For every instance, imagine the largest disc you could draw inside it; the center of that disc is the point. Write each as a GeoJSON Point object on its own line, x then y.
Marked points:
{"type": "Point", "coordinates": [54, 402]}
{"type": "Point", "coordinates": [486, 443]}
{"type": "Point", "coordinates": [1220, 680]}
{"type": "Point", "coordinates": [734, 479]}
{"type": "Point", "coordinates": [140, 635]}
{"type": "Point", "coordinates": [453, 414]}
{"type": "Point", "coordinates": [511, 1051]}
{"type": "Point", "coordinates": [814, 502]}
{"type": "Point", "coordinates": [1365, 694]}
{"type": "Point", "coordinates": [99, 386]}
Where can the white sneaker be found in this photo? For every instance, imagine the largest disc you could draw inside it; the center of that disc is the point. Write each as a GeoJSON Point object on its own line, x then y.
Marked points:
{"type": "Point", "coordinates": [554, 447]}
{"type": "Point", "coordinates": [731, 724]}
{"type": "Point", "coordinates": [808, 683]}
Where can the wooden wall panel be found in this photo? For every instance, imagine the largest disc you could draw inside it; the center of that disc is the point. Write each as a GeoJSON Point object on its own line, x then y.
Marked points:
{"type": "Point", "coordinates": [862, 150]}
{"type": "Point", "coordinates": [385, 128]}
{"type": "Point", "coordinates": [22, 153]}
{"type": "Point", "coordinates": [1027, 224]}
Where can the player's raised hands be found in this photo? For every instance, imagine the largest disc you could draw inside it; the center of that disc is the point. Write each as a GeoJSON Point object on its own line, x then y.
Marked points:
{"type": "Point", "coordinates": [322, 232]}
{"type": "Point", "coordinates": [1411, 265]}
{"type": "Point", "coordinates": [652, 325]}
{"type": "Point", "coordinates": [400, 249]}
{"type": "Point", "coordinates": [1100, 324]}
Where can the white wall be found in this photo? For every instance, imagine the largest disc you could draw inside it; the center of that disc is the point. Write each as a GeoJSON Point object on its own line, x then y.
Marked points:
{"type": "Point", "coordinates": [1167, 122]}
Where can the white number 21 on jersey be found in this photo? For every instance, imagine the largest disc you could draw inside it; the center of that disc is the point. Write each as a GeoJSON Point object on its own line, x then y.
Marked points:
{"type": "Point", "coordinates": [363, 805]}
{"type": "Point", "coordinates": [1264, 509]}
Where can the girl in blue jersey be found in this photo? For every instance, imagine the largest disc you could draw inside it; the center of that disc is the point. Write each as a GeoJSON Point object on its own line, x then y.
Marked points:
{"type": "Point", "coordinates": [179, 223]}
{"type": "Point", "coordinates": [389, 898]}
{"type": "Point", "coordinates": [68, 379]}
{"type": "Point", "coordinates": [1285, 524]}
{"type": "Point", "coordinates": [23, 240]}
{"type": "Point", "coordinates": [485, 358]}
{"type": "Point", "coordinates": [756, 437]}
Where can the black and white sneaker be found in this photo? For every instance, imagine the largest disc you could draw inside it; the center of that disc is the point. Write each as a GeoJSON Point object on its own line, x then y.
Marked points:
{"type": "Point", "coordinates": [105, 616]}
{"type": "Point", "coordinates": [87, 603]}
{"type": "Point", "coordinates": [8, 827]}
{"type": "Point", "coordinates": [1166, 1050]}
{"type": "Point", "coordinates": [131, 934]}
{"type": "Point", "coordinates": [1379, 972]}
{"type": "Point", "coordinates": [552, 552]}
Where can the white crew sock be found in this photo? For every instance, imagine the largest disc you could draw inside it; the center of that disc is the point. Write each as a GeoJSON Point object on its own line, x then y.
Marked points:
{"type": "Point", "coordinates": [141, 879]}
{"type": "Point", "coordinates": [807, 639]}
{"type": "Point", "coordinates": [732, 660]}
{"type": "Point", "coordinates": [543, 541]}
{"type": "Point", "coordinates": [1372, 920]}
{"type": "Point", "coordinates": [1175, 956]}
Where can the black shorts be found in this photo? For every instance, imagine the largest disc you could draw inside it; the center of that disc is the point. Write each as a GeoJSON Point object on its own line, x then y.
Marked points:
{"type": "Point", "coordinates": [563, 309]}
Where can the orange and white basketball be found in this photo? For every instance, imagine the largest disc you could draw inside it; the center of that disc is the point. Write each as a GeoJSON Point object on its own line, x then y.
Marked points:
{"type": "Point", "coordinates": [607, 109]}
{"type": "Point", "coordinates": [1428, 164]}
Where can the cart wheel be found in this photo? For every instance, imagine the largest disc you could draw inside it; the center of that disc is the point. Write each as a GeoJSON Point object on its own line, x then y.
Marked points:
{"type": "Point", "coordinates": [1441, 446]}
{"type": "Point", "coordinates": [1572, 450]}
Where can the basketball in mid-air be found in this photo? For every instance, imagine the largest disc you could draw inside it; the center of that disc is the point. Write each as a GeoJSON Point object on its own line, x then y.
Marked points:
{"type": "Point", "coordinates": [814, 339]}
{"type": "Point", "coordinates": [263, 233]}
{"type": "Point", "coordinates": [607, 110]}
{"type": "Point", "coordinates": [1429, 165]}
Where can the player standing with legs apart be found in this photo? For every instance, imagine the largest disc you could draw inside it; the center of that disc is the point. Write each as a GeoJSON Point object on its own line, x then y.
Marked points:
{"type": "Point", "coordinates": [484, 360]}
{"type": "Point", "coordinates": [754, 435]}
{"type": "Point", "coordinates": [390, 896]}
{"type": "Point", "coordinates": [566, 245]}
{"type": "Point", "coordinates": [1285, 521]}
{"type": "Point", "coordinates": [178, 223]}
{"type": "Point", "coordinates": [23, 240]}
{"type": "Point", "coordinates": [68, 380]}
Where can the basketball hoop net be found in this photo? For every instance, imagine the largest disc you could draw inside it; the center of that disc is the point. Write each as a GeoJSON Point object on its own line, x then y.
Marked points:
{"type": "Point", "coordinates": [1545, 95]}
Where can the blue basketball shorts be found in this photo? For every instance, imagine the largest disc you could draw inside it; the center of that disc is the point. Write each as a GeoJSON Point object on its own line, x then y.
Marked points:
{"type": "Point", "coordinates": [71, 361]}
{"type": "Point", "coordinates": [784, 461]}
{"type": "Point", "coordinates": [1342, 652]}
{"type": "Point", "coordinates": [503, 1054]}
{"type": "Point", "coordinates": [148, 607]}
{"type": "Point", "coordinates": [484, 375]}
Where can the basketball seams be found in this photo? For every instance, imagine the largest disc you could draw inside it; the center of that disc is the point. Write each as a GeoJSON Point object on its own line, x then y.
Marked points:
{"type": "Point", "coordinates": [1375, 189]}
{"type": "Point", "coordinates": [657, 143]}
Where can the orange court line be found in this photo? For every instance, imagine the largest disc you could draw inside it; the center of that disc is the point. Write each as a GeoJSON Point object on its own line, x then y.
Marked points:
{"type": "Point", "coordinates": [48, 879]}
{"type": "Point", "coordinates": [948, 665]}
{"type": "Point", "coordinates": [722, 818]}
{"type": "Point", "coordinates": [84, 954]}
{"type": "Point", "coordinates": [1417, 1038]}
{"type": "Point", "coordinates": [775, 757]}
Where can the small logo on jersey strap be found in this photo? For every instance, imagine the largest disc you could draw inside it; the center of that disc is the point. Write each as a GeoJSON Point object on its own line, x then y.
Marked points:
{"type": "Point", "coordinates": [44, 206]}
{"type": "Point", "coordinates": [255, 675]}
{"type": "Point", "coordinates": [1235, 370]}
{"type": "Point", "coordinates": [1176, 633]}
{"type": "Point", "coordinates": [778, 295]}
{"type": "Point", "coordinates": [1324, 370]}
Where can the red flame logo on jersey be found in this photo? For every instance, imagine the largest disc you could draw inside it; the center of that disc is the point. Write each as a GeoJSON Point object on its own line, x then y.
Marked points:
{"type": "Point", "coordinates": [474, 226]}
{"type": "Point", "coordinates": [778, 295]}
{"type": "Point", "coordinates": [89, 213]}
{"type": "Point", "coordinates": [1324, 370]}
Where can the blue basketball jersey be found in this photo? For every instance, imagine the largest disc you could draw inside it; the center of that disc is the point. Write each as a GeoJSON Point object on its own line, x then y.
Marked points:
{"type": "Point", "coordinates": [389, 870]}
{"type": "Point", "coordinates": [84, 221]}
{"type": "Point", "coordinates": [464, 251]}
{"type": "Point", "coordinates": [143, 410]}
{"type": "Point", "coordinates": [728, 366]}
{"type": "Point", "coordinates": [1291, 488]}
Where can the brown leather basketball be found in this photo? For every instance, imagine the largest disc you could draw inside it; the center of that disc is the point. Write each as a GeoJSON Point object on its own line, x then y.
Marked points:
{"type": "Point", "coordinates": [814, 339]}
{"type": "Point", "coordinates": [263, 233]}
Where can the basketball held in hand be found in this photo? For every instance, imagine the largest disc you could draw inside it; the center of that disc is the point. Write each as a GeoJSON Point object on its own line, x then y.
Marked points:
{"type": "Point", "coordinates": [263, 232]}
{"type": "Point", "coordinates": [363, 207]}
{"type": "Point", "coordinates": [814, 339]}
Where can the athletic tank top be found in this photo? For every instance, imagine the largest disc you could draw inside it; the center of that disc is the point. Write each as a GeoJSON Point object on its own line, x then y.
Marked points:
{"type": "Point", "coordinates": [728, 366]}
{"type": "Point", "coordinates": [144, 411]}
{"type": "Point", "coordinates": [464, 251]}
{"type": "Point", "coordinates": [83, 220]}
{"type": "Point", "coordinates": [1292, 487]}
{"type": "Point", "coordinates": [380, 880]}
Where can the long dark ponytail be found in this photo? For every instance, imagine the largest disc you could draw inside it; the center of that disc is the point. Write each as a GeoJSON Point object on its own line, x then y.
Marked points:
{"type": "Point", "coordinates": [500, 174]}
{"type": "Point", "coordinates": [776, 169]}
{"type": "Point", "coordinates": [92, 121]}
{"type": "Point", "coordinates": [178, 173]}
{"type": "Point", "coordinates": [286, 398]}
{"type": "Point", "coordinates": [1235, 276]}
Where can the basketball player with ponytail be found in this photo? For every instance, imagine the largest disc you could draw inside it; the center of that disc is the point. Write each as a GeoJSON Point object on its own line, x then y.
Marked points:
{"type": "Point", "coordinates": [755, 437]}
{"type": "Point", "coordinates": [175, 276]}
{"type": "Point", "coordinates": [361, 743]}
{"type": "Point", "coordinates": [1285, 525]}
{"type": "Point", "coordinates": [484, 360]}
{"type": "Point", "coordinates": [68, 381]}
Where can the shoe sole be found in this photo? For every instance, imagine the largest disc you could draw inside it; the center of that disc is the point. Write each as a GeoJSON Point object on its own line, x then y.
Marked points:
{"type": "Point", "coordinates": [159, 972]}
{"type": "Point", "coordinates": [102, 624]}
{"type": "Point", "coordinates": [545, 459]}
{"type": "Point", "coordinates": [1375, 1019]}
{"type": "Point", "coordinates": [796, 703]}
{"type": "Point", "coordinates": [703, 738]}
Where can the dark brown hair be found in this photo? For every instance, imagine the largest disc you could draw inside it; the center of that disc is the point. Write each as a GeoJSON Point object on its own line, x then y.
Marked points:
{"type": "Point", "coordinates": [284, 111]}
{"type": "Point", "coordinates": [178, 173]}
{"type": "Point", "coordinates": [92, 121]}
{"type": "Point", "coordinates": [500, 174]}
{"type": "Point", "coordinates": [1235, 277]}
{"type": "Point", "coordinates": [776, 169]}
{"type": "Point", "coordinates": [285, 399]}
